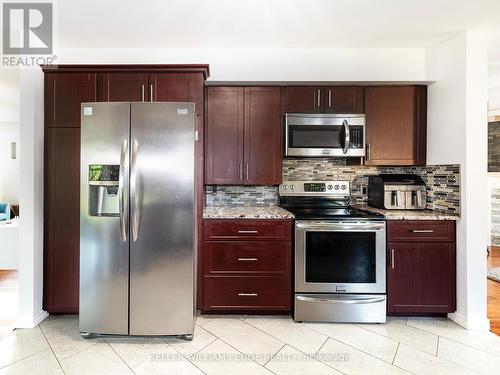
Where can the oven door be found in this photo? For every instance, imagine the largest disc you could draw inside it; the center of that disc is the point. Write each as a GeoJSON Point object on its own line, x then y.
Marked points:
{"type": "Point", "coordinates": [340, 257]}
{"type": "Point", "coordinates": [324, 135]}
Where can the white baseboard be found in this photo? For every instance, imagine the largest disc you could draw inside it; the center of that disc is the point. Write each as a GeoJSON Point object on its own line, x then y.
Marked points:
{"type": "Point", "coordinates": [473, 325]}
{"type": "Point", "coordinates": [33, 322]}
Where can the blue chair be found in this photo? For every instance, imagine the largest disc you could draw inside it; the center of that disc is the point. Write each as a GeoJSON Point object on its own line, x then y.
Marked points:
{"type": "Point", "coordinates": [4, 211]}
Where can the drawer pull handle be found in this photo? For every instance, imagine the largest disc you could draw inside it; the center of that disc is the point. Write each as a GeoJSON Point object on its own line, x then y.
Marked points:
{"type": "Point", "coordinates": [248, 231]}
{"type": "Point", "coordinates": [247, 259]}
{"type": "Point", "coordinates": [423, 230]}
{"type": "Point", "coordinates": [248, 294]}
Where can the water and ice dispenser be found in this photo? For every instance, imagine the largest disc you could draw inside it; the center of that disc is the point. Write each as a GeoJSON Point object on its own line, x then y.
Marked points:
{"type": "Point", "coordinates": [103, 190]}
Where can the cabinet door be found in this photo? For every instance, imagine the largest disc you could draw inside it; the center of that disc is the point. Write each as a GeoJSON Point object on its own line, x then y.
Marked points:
{"type": "Point", "coordinates": [401, 271]}
{"type": "Point", "coordinates": [395, 125]}
{"type": "Point", "coordinates": [64, 92]}
{"type": "Point", "coordinates": [421, 278]}
{"type": "Point", "coordinates": [169, 87]}
{"type": "Point", "coordinates": [122, 87]}
{"type": "Point", "coordinates": [436, 277]}
{"type": "Point", "coordinates": [62, 220]}
{"type": "Point", "coordinates": [304, 99]}
{"type": "Point", "coordinates": [344, 99]}
{"type": "Point", "coordinates": [224, 155]}
{"type": "Point", "coordinates": [262, 131]}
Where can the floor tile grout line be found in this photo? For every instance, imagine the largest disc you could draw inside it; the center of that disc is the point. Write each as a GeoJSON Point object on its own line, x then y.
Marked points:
{"type": "Point", "coordinates": [455, 363]}
{"type": "Point", "coordinates": [458, 342]}
{"type": "Point", "coordinates": [395, 354]}
{"type": "Point", "coordinates": [398, 340]}
{"type": "Point", "coordinates": [360, 350]}
{"type": "Point", "coordinates": [22, 359]}
{"type": "Point", "coordinates": [274, 355]}
{"type": "Point", "coordinates": [321, 347]}
{"type": "Point", "coordinates": [51, 349]}
{"type": "Point", "coordinates": [239, 351]}
{"type": "Point", "coordinates": [119, 356]}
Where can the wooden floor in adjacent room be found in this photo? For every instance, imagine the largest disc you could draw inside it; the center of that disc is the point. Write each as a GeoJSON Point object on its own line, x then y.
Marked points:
{"type": "Point", "coordinates": [9, 298]}
{"type": "Point", "coordinates": [494, 292]}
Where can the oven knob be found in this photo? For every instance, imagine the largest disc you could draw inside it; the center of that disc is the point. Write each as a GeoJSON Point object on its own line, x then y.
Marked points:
{"type": "Point", "coordinates": [285, 187]}
{"type": "Point", "coordinates": [336, 187]}
{"type": "Point", "coordinates": [292, 187]}
{"type": "Point", "coordinates": [344, 187]}
{"type": "Point", "coordinates": [330, 187]}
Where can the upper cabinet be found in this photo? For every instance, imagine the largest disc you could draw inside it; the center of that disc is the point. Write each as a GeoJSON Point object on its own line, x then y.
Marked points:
{"type": "Point", "coordinates": [63, 94]}
{"type": "Point", "coordinates": [396, 125]}
{"type": "Point", "coordinates": [243, 136]}
{"type": "Point", "coordinates": [318, 99]}
{"type": "Point", "coordinates": [122, 87]}
{"type": "Point", "coordinates": [150, 87]}
{"type": "Point", "coordinates": [343, 99]}
{"type": "Point", "coordinates": [303, 99]}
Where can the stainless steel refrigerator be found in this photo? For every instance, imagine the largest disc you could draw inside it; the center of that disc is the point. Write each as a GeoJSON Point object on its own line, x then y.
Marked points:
{"type": "Point", "coordinates": [137, 219]}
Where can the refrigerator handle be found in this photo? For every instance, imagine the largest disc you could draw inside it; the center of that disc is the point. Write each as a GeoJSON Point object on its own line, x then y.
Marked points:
{"type": "Point", "coordinates": [133, 192]}
{"type": "Point", "coordinates": [121, 200]}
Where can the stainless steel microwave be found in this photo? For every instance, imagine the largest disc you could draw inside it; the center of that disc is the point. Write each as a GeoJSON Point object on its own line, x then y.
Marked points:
{"type": "Point", "coordinates": [325, 135]}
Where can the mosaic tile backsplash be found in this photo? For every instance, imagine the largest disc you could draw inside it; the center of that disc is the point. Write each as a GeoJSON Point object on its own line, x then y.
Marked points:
{"type": "Point", "coordinates": [442, 181]}
{"type": "Point", "coordinates": [241, 196]}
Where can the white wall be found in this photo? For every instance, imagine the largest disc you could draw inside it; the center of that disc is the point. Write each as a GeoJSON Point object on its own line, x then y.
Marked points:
{"type": "Point", "coordinates": [272, 64]}
{"type": "Point", "coordinates": [9, 168]}
{"type": "Point", "coordinates": [31, 199]}
{"type": "Point", "coordinates": [9, 132]}
{"type": "Point", "coordinates": [457, 133]}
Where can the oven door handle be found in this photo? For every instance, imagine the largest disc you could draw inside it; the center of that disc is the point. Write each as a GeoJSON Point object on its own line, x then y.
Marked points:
{"type": "Point", "coordinates": [355, 301]}
{"type": "Point", "coordinates": [341, 227]}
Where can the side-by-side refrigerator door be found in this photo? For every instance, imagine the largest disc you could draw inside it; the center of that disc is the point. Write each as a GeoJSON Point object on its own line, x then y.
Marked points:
{"type": "Point", "coordinates": [162, 219]}
{"type": "Point", "coordinates": [104, 222]}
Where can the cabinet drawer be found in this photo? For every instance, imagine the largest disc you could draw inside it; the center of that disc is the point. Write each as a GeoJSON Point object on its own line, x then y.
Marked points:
{"type": "Point", "coordinates": [279, 230]}
{"type": "Point", "coordinates": [428, 231]}
{"type": "Point", "coordinates": [247, 257]}
{"type": "Point", "coordinates": [248, 293]}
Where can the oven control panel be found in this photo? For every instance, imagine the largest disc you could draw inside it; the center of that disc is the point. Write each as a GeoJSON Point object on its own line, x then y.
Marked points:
{"type": "Point", "coordinates": [315, 188]}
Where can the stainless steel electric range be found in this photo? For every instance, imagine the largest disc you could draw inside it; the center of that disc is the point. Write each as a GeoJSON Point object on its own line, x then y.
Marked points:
{"type": "Point", "coordinates": [340, 261]}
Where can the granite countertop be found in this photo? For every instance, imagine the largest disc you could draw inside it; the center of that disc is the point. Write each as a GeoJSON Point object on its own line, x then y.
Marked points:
{"type": "Point", "coordinates": [271, 212]}
{"type": "Point", "coordinates": [409, 214]}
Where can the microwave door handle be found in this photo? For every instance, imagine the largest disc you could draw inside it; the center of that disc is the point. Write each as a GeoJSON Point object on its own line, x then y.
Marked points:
{"type": "Point", "coordinates": [347, 136]}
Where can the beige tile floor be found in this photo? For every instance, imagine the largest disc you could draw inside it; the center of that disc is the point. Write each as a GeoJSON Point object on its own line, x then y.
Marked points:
{"type": "Point", "coordinates": [257, 345]}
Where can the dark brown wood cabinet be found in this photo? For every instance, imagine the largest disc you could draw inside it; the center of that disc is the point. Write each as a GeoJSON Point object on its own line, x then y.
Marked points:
{"type": "Point", "coordinates": [224, 156]}
{"type": "Point", "coordinates": [344, 99]}
{"type": "Point", "coordinates": [396, 125]}
{"type": "Point", "coordinates": [63, 94]}
{"type": "Point", "coordinates": [244, 136]}
{"type": "Point", "coordinates": [247, 265]}
{"type": "Point", "coordinates": [122, 87]}
{"type": "Point", "coordinates": [66, 87]}
{"type": "Point", "coordinates": [62, 220]}
{"type": "Point", "coordinates": [303, 99]}
{"type": "Point", "coordinates": [421, 267]}
{"type": "Point", "coordinates": [330, 99]}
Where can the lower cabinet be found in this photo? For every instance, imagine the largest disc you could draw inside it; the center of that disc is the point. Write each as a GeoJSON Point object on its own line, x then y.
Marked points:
{"type": "Point", "coordinates": [247, 265]}
{"type": "Point", "coordinates": [421, 267]}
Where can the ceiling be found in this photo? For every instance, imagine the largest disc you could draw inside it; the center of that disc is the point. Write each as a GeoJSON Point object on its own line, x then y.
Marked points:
{"type": "Point", "coordinates": [268, 23]}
